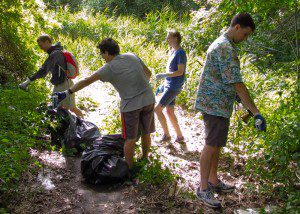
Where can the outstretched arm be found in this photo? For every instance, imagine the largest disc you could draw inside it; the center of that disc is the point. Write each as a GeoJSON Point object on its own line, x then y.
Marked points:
{"type": "Point", "coordinates": [85, 82]}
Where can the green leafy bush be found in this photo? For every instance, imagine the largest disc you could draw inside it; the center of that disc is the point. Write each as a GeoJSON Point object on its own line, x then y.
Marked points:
{"type": "Point", "coordinates": [153, 172]}
{"type": "Point", "coordinates": [18, 39]}
{"type": "Point", "coordinates": [269, 60]}
{"type": "Point", "coordinates": [21, 127]}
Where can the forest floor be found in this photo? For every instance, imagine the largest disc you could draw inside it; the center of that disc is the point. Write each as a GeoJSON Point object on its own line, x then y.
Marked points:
{"type": "Point", "coordinates": [59, 188]}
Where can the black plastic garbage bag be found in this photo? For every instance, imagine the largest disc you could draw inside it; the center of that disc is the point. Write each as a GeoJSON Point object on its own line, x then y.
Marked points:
{"type": "Point", "coordinates": [80, 133]}
{"type": "Point", "coordinates": [72, 131]}
{"type": "Point", "coordinates": [103, 162]}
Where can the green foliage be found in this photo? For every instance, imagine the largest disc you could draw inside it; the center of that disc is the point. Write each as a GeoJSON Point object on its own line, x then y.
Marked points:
{"type": "Point", "coordinates": [293, 204]}
{"type": "Point", "coordinates": [112, 123]}
{"type": "Point", "coordinates": [153, 172]}
{"type": "Point", "coordinates": [21, 126]}
{"type": "Point", "coordinates": [68, 151]}
{"type": "Point", "coordinates": [139, 8]}
{"type": "Point", "coordinates": [3, 211]}
{"type": "Point", "coordinates": [269, 64]}
{"type": "Point", "coordinates": [17, 39]}
{"type": "Point", "coordinates": [87, 104]}
{"type": "Point", "coordinates": [74, 5]}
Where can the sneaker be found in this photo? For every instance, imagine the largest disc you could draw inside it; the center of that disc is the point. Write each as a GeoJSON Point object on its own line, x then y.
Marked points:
{"type": "Point", "coordinates": [221, 187]}
{"type": "Point", "coordinates": [165, 138]}
{"type": "Point", "coordinates": [208, 198]}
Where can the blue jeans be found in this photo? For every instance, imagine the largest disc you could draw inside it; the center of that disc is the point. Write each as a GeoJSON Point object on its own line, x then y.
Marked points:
{"type": "Point", "coordinates": [168, 98]}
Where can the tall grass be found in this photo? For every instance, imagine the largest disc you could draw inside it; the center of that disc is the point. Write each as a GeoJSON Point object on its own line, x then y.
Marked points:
{"type": "Point", "coordinates": [81, 32]}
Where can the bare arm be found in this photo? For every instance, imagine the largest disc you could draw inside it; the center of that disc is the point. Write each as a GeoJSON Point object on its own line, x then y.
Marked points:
{"type": "Point", "coordinates": [177, 73]}
{"type": "Point", "coordinates": [85, 82]}
{"type": "Point", "coordinates": [147, 72]}
{"type": "Point", "coordinates": [243, 93]}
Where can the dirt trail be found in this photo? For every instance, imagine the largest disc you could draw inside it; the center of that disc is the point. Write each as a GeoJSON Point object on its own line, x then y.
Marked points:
{"type": "Point", "coordinates": [58, 188]}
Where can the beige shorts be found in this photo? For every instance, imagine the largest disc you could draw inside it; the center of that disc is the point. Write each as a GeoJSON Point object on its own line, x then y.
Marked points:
{"type": "Point", "coordinates": [69, 102]}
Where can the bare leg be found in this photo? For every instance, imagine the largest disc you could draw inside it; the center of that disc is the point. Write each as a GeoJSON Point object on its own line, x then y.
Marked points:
{"type": "Point", "coordinates": [205, 164]}
{"type": "Point", "coordinates": [129, 151]}
{"type": "Point", "coordinates": [213, 176]}
{"type": "Point", "coordinates": [77, 111]}
{"type": "Point", "coordinates": [174, 121]}
{"type": "Point", "coordinates": [162, 119]}
{"type": "Point", "coordinates": [146, 143]}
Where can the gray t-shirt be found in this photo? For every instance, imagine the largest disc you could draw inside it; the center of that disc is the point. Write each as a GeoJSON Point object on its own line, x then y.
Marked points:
{"type": "Point", "coordinates": [125, 72]}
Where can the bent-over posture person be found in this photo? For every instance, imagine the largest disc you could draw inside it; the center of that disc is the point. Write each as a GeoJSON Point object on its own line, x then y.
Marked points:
{"type": "Point", "coordinates": [130, 77]}
{"type": "Point", "coordinates": [220, 82]}
{"type": "Point", "coordinates": [54, 64]}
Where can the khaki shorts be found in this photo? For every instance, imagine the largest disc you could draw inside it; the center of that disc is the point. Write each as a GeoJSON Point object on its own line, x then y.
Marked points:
{"type": "Point", "coordinates": [216, 130]}
{"type": "Point", "coordinates": [140, 121]}
{"type": "Point", "coordinates": [69, 102]}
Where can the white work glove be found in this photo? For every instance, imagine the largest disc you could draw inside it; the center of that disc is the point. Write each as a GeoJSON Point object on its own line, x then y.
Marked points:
{"type": "Point", "coordinates": [24, 84]}
{"type": "Point", "coordinates": [161, 76]}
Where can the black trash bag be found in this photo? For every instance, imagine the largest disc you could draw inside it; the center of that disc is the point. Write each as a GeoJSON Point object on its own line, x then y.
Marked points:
{"type": "Point", "coordinates": [61, 120]}
{"type": "Point", "coordinates": [103, 163]}
{"type": "Point", "coordinates": [72, 131]}
{"type": "Point", "coordinates": [80, 133]}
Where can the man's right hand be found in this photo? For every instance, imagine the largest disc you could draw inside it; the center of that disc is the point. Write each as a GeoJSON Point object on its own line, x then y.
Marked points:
{"type": "Point", "coordinates": [24, 84]}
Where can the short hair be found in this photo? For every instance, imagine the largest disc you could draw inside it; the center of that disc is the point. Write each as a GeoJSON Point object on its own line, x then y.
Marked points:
{"type": "Point", "coordinates": [44, 38]}
{"type": "Point", "coordinates": [109, 45]}
{"type": "Point", "coordinates": [244, 20]}
{"type": "Point", "coordinates": [176, 34]}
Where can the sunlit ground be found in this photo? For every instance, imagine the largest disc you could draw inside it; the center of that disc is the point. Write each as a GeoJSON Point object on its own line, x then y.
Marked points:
{"type": "Point", "coordinates": [183, 160]}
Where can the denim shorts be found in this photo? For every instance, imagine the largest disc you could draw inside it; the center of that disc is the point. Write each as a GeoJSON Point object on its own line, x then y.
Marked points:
{"type": "Point", "coordinates": [168, 98]}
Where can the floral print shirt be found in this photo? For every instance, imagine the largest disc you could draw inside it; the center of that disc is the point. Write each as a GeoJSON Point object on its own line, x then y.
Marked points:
{"type": "Point", "coordinates": [216, 93]}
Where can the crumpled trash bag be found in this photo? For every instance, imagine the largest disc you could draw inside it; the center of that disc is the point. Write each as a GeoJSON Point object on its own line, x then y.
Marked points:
{"type": "Point", "coordinates": [103, 162]}
{"type": "Point", "coordinates": [72, 131]}
{"type": "Point", "coordinates": [80, 133]}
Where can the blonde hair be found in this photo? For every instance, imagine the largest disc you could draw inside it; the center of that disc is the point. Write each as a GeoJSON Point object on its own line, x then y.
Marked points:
{"type": "Point", "coordinates": [176, 34]}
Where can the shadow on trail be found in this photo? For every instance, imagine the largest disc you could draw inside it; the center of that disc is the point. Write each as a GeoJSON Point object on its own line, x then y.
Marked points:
{"type": "Point", "coordinates": [104, 188]}
{"type": "Point", "coordinates": [108, 198]}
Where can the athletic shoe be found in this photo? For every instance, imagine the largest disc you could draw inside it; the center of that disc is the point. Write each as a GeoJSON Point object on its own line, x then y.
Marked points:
{"type": "Point", "coordinates": [221, 187]}
{"type": "Point", "coordinates": [208, 198]}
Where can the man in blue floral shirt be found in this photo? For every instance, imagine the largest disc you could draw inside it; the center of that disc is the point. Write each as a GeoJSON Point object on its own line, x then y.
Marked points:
{"type": "Point", "coordinates": [220, 82]}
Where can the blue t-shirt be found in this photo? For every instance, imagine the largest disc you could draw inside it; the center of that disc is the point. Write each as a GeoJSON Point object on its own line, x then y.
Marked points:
{"type": "Point", "coordinates": [176, 57]}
